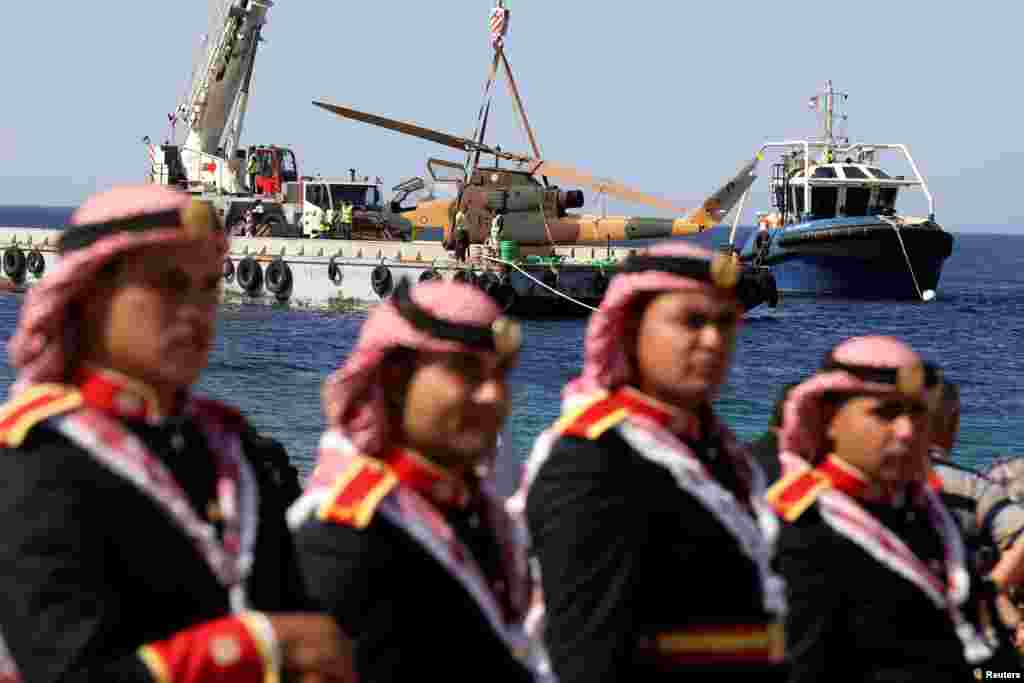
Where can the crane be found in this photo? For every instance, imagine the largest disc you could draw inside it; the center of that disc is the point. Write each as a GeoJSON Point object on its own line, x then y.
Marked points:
{"type": "Point", "coordinates": [214, 109]}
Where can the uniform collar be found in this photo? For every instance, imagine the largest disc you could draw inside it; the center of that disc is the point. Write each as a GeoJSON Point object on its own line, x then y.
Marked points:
{"type": "Point", "coordinates": [845, 477]}
{"type": "Point", "coordinates": [120, 395]}
{"type": "Point", "coordinates": [854, 483]}
{"type": "Point", "coordinates": [434, 482]}
{"type": "Point", "coordinates": [682, 423]}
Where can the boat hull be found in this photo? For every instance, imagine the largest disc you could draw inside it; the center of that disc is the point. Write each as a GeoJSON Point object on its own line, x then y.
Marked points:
{"type": "Point", "coordinates": [857, 259]}
{"type": "Point", "coordinates": [339, 274]}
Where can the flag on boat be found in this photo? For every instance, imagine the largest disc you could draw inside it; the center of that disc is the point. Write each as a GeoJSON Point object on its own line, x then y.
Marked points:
{"type": "Point", "coordinates": [498, 24]}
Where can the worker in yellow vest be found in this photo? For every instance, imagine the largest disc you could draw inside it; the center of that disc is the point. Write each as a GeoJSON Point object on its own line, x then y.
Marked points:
{"type": "Point", "coordinates": [251, 168]}
{"type": "Point", "coordinates": [346, 220]}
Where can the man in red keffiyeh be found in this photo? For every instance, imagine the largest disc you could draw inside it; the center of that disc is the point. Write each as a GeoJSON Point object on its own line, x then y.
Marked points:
{"type": "Point", "coordinates": [647, 518]}
{"type": "Point", "coordinates": [400, 536]}
{"type": "Point", "coordinates": [879, 583]}
{"type": "Point", "coordinates": [143, 538]}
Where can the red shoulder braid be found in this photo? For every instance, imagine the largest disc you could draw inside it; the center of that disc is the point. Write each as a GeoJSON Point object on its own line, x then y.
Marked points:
{"type": "Point", "coordinates": [31, 407]}
{"type": "Point", "coordinates": [797, 491]}
{"type": "Point", "coordinates": [357, 492]}
{"type": "Point", "coordinates": [593, 418]}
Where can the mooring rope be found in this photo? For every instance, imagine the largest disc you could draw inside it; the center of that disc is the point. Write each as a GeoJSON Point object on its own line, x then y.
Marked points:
{"type": "Point", "coordinates": [906, 256]}
{"type": "Point", "coordinates": [550, 289]}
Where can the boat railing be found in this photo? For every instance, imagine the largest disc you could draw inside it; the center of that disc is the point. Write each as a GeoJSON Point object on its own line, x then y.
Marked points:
{"type": "Point", "coordinates": [808, 145]}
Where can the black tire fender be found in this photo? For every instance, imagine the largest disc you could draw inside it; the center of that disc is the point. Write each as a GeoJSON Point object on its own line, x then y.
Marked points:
{"type": "Point", "coordinates": [35, 263]}
{"type": "Point", "coordinates": [279, 277]}
{"type": "Point", "coordinates": [381, 280]}
{"type": "Point", "coordinates": [506, 296]}
{"type": "Point", "coordinates": [770, 288]}
{"type": "Point", "coordinates": [14, 263]}
{"type": "Point", "coordinates": [334, 271]}
{"type": "Point", "coordinates": [249, 275]}
{"type": "Point", "coordinates": [489, 283]}
{"type": "Point", "coordinates": [550, 278]}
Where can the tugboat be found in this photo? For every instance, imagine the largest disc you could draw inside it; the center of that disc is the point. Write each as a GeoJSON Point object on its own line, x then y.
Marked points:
{"type": "Point", "coordinates": [835, 230]}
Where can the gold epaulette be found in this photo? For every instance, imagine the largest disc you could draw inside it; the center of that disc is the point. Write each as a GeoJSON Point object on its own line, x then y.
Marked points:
{"type": "Point", "coordinates": [37, 403]}
{"type": "Point", "coordinates": [593, 418]}
{"type": "Point", "coordinates": [357, 492]}
{"type": "Point", "coordinates": [796, 492]}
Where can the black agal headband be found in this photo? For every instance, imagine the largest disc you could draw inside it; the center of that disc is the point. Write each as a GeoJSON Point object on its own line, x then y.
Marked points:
{"type": "Point", "coordinates": [197, 220]}
{"type": "Point", "coordinates": [910, 379]}
{"type": "Point", "coordinates": [504, 335]}
{"type": "Point", "coordinates": [721, 271]}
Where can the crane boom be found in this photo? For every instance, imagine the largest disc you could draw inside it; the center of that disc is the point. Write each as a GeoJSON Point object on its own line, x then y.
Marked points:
{"type": "Point", "coordinates": [215, 108]}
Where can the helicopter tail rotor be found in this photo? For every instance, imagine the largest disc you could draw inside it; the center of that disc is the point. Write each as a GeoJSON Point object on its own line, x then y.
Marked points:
{"type": "Point", "coordinates": [722, 201]}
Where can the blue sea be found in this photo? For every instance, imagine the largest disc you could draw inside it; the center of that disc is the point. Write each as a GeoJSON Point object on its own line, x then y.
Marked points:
{"type": "Point", "coordinates": [271, 361]}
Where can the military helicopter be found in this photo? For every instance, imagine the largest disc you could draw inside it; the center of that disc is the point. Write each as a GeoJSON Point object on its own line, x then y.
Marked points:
{"type": "Point", "coordinates": [536, 212]}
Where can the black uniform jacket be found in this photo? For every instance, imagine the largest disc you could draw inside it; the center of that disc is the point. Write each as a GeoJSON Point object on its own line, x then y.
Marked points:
{"type": "Point", "coordinates": [851, 618]}
{"type": "Point", "coordinates": [91, 569]}
{"type": "Point", "coordinates": [765, 451]}
{"type": "Point", "coordinates": [625, 555]}
{"type": "Point", "coordinates": [411, 618]}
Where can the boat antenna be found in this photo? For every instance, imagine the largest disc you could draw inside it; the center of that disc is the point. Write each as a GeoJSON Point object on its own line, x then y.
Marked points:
{"type": "Point", "coordinates": [826, 104]}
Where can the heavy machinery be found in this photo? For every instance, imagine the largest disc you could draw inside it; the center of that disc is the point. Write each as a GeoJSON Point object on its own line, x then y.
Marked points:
{"type": "Point", "coordinates": [548, 260]}
{"type": "Point", "coordinates": [212, 163]}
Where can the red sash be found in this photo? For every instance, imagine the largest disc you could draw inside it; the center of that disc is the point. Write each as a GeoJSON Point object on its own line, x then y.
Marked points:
{"type": "Point", "coordinates": [112, 445]}
{"type": "Point", "coordinates": [417, 516]}
{"type": "Point", "coordinates": [948, 592]}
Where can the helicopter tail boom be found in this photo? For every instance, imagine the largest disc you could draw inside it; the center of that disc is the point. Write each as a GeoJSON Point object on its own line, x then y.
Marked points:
{"type": "Point", "coordinates": [721, 202]}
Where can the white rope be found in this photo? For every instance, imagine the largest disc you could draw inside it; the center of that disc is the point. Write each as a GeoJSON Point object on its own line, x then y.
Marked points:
{"type": "Point", "coordinates": [907, 257]}
{"type": "Point", "coordinates": [550, 289]}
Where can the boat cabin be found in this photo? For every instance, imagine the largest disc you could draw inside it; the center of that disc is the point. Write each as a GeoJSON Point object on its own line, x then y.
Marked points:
{"type": "Point", "coordinates": [838, 182]}
{"type": "Point", "coordinates": [849, 190]}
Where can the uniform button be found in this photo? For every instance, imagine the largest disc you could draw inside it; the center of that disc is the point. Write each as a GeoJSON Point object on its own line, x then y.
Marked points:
{"type": "Point", "coordinates": [225, 651]}
{"type": "Point", "coordinates": [177, 442]}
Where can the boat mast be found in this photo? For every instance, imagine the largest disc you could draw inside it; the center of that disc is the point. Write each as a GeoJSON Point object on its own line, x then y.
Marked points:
{"type": "Point", "coordinates": [829, 107]}
{"type": "Point", "coordinates": [828, 114]}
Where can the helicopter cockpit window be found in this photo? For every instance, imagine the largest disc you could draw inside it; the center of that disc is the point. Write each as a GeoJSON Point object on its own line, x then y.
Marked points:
{"type": "Point", "coordinates": [824, 172]}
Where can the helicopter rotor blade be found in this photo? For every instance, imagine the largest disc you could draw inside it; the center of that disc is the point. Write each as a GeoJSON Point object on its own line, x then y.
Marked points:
{"type": "Point", "coordinates": [415, 130]}
{"type": "Point", "coordinates": [610, 188]}
{"type": "Point", "coordinates": [398, 126]}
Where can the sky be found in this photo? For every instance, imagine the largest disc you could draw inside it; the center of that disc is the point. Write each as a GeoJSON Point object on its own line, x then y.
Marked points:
{"type": "Point", "coordinates": [668, 97]}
